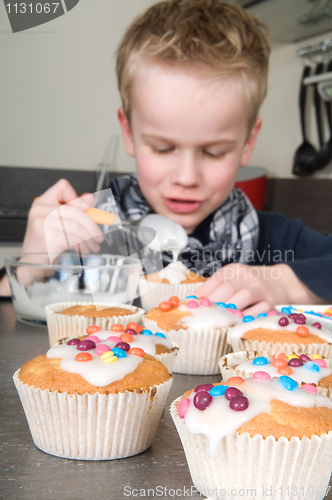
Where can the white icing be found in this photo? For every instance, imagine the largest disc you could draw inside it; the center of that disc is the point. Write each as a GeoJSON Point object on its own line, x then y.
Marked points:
{"type": "Point", "coordinates": [300, 373]}
{"type": "Point", "coordinates": [146, 342]}
{"type": "Point", "coordinates": [95, 372]}
{"type": "Point", "coordinates": [208, 317]}
{"type": "Point", "coordinates": [175, 272]}
{"type": "Point", "coordinates": [219, 420]}
{"type": "Point", "coordinates": [170, 236]}
{"type": "Point", "coordinates": [272, 323]}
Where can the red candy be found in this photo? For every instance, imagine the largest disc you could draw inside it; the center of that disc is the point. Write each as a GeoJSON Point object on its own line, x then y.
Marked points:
{"type": "Point", "coordinates": [137, 351]}
{"type": "Point", "coordinates": [303, 331]}
{"type": "Point", "coordinates": [140, 329]}
{"type": "Point", "coordinates": [165, 306]}
{"type": "Point", "coordinates": [232, 392]}
{"type": "Point", "coordinates": [235, 381]}
{"type": "Point", "coordinates": [203, 387]}
{"type": "Point", "coordinates": [132, 326]}
{"type": "Point", "coordinates": [202, 400]}
{"type": "Point", "coordinates": [174, 301]}
{"type": "Point", "coordinates": [278, 362]}
{"type": "Point", "coordinates": [83, 356]}
{"type": "Point", "coordinates": [239, 403]}
{"type": "Point", "coordinates": [117, 328]}
{"type": "Point", "coordinates": [126, 337]}
{"type": "Point", "coordinates": [92, 329]}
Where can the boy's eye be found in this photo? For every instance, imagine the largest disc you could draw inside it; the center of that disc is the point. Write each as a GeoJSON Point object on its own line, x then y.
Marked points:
{"type": "Point", "coordinates": [214, 155]}
{"type": "Point", "coordinates": [163, 151]}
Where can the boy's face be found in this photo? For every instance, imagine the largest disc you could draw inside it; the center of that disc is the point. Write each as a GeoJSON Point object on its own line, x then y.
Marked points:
{"type": "Point", "coordinates": [188, 135]}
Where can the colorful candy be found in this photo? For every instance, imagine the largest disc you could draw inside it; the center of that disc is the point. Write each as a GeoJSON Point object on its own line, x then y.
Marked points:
{"type": "Point", "coordinates": [108, 357]}
{"type": "Point", "coordinates": [303, 331]}
{"type": "Point", "coordinates": [295, 362]}
{"type": "Point", "coordinates": [248, 318]}
{"type": "Point", "coordinates": [122, 345]}
{"type": "Point", "coordinates": [278, 362]}
{"type": "Point", "coordinates": [126, 337]}
{"type": "Point", "coordinates": [137, 351]}
{"type": "Point", "coordinates": [235, 381]}
{"type": "Point", "coordinates": [165, 306]}
{"type": "Point", "coordinates": [261, 375]}
{"type": "Point", "coordinates": [283, 321]}
{"type": "Point", "coordinates": [174, 301]}
{"type": "Point", "coordinates": [218, 390]}
{"type": "Point", "coordinates": [309, 388]}
{"type": "Point", "coordinates": [119, 352]}
{"type": "Point", "coordinates": [232, 392]}
{"type": "Point", "coordinates": [285, 370]}
{"type": "Point", "coordinates": [112, 338]}
{"type": "Point", "coordinates": [83, 356]}
{"type": "Point", "coordinates": [202, 400]}
{"type": "Point", "coordinates": [117, 328]}
{"type": "Point", "coordinates": [239, 403]}
{"type": "Point", "coordinates": [183, 407]}
{"type": "Point", "coordinates": [93, 338]}
{"type": "Point", "coordinates": [159, 334]}
{"type": "Point", "coordinates": [101, 348]}
{"type": "Point", "coordinates": [192, 304]}
{"type": "Point", "coordinates": [260, 361]}
{"type": "Point", "coordinates": [146, 332]}
{"type": "Point", "coordinates": [131, 331]}
{"type": "Point", "coordinates": [288, 382]}
{"type": "Point", "coordinates": [85, 345]}
{"type": "Point", "coordinates": [203, 387]}
{"type": "Point", "coordinates": [132, 326]}
{"type": "Point", "coordinates": [206, 302]}
{"type": "Point", "coordinates": [73, 342]}
{"type": "Point", "coordinates": [92, 329]}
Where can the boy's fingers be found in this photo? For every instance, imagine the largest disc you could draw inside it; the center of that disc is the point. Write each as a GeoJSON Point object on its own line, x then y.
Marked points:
{"type": "Point", "coordinates": [210, 285]}
{"type": "Point", "coordinates": [261, 307]}
{"type": "Point", "coordinates": [60, 192]}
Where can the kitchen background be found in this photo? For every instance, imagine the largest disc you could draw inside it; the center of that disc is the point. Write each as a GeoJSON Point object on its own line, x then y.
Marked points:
{"type": "Point", "coordinates": [59, 98]}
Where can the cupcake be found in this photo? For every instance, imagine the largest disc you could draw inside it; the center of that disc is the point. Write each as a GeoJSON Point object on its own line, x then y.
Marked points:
{"type": "Point", "coordinates": [256, 438]}
{"type": "Point", "coordinates": [174, 279]}
{"type": "Point", "coordinates": [88, 401]}
{"type": "Point", "coordinates": [70, 319]}
{"type": "Point", "coordinates": [132, 336]}
{"type": "Point", "coordinates": [303, 369]}
{"type": "Point", "coordinates": [198, 327]}
{"type": "Point", "coordinates": [286, 333]}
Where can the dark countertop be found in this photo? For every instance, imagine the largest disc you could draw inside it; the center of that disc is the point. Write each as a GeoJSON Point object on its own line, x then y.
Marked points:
{"type": "Point", "coordinates": [28, 473]}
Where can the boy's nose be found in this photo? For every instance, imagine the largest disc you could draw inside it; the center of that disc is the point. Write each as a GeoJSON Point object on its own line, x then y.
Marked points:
{"type": "Point", "coordinates": [186, 170]}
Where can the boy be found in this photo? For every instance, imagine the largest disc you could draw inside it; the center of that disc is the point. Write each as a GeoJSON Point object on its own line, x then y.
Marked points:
{"type": "Point", "coordinates": [192, 75]}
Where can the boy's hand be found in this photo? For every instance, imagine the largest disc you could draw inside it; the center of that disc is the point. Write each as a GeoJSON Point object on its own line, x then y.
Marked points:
{"type": "Point", "coordinates": [78, 226]}
{"type": "Point", "coordinates": [257, 289]}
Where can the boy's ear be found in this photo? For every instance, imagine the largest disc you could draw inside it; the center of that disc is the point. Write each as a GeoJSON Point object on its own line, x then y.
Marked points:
{"type": "Point", "coordinates": [249, 147]}
{"type": "Point", "coordinates": [126, 133]}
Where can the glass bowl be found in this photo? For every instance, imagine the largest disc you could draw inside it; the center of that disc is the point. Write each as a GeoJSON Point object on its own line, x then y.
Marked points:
{"type": "Point", "coordinates": [36, 283]}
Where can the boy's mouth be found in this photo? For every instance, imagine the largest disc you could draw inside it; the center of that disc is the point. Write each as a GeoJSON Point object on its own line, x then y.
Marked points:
{"type": "Point", "coordinates": [179, 206]}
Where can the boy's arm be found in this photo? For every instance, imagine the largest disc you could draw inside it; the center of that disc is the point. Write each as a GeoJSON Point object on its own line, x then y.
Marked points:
{"type": "Point", "coordinates": [295, 267]}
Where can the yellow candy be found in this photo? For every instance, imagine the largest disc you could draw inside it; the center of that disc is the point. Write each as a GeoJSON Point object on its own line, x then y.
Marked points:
{"type": "Point", "coordinates": [107, 354]}
{"type": "Point", "coordinates": [291, 356]}
{"type": "Point", "coordinates": [111, 359]}
{"type": "Point", "coordinates": [299, 310]}
{"type": "Point", "coordinates": [316, 356]}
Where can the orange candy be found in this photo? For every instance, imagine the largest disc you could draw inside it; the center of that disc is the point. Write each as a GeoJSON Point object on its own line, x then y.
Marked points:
{"type": "Point", "coordinates": [140, 329]}
{"type": "Point", "coordinates": [285, 370]}
{"type": "Point", "coordinates": [281, 355]}
{"type": "Point", "coordinates": [174, 301]}
{"type": "Point", "coordinates": [234, 381]}
{"type": "Point", "coordinates": [83, 356]}
{"type": "Point", "coordinates": [137, 351]}
{"type": "Point", "coordinates": [165, 306]}
{"type": "Point", "coordinates": [126, 337]}
{"type": "Point", "coordinates": [92, 329]}
{"type": "Point", "coordinates": [117, 328]}
{"type": "Point", "coordinates": [132, 326]}
{"type": "Point", "coordinates": [279, 362]}
{"type": "Point", "coordinates": [303, 331]}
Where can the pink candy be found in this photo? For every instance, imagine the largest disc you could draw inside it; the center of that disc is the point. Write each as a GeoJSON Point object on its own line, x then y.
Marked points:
{"type": "Point", "coordinates": [183, 407]}
{"type": "Point", "coordinates": [309, 388]}
{"type": "Point", "coordinates": [94, 339]}
{"type": "Point", "coordinates": [320, 362]}
{"type": "Point", "coordinates": [261, 375]}
{"type": "Point", "coordinates": [272, 313]}
{"type": "Point", "coordinates": [238, 313]}
{"type": "Point", "coordinates": [101, 348]}
{"type": "Point", "coordinates": [192, 304]}
{"type": "Point", "coordinates": [230, 310]}
{"type": "Point", "coordinates": [206, 302]}
{"type": "Point", "coordinates": [114, 339]}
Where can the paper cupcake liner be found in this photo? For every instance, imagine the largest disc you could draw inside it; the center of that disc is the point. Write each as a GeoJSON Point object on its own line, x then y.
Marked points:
{"type": "Point", "coordinates": [61, 325]}
{"type": "Point", "coordinates": [92, 427]}
{"type": "Point", "coordinates": [227, 367]}
{"type": "Point", "coordinates": [168, 358]}
{"type": "Point", "coordinates": [200, 350]}
{"type": "Point", "coordinates": [324, 350]}
{"type": "Point", "coordinates": [253, 467]}
{"type": "Point", "coordinates": [163, 291]}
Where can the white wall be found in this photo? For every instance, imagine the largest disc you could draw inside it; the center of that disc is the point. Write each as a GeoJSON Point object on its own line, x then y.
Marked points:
{"type": "Point", "coordinates": [58, 93]}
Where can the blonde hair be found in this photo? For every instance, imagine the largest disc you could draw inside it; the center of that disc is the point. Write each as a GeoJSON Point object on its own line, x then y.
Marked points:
{"type": "Point", "coordinates": [217, 34]}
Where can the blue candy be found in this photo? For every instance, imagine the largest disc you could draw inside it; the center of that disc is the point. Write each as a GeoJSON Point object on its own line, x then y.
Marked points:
{"type": "Point", "coordinates": [248, 318]}
{"type": "Point", "coordinates": [159, 334]}
{"type": "Point", "coordinates": [146, 332]}
{"type": "Point", "coordinates": [119, 353]}
{"type": "Point", "coordinates": [288, 383]}
{"type": "Point", "coordinates": [218, 390]}
{"type": "Point", "coordinates": [191, 297]}
{"type": "Point", "coordinates": [286, 310]}
{"type": "Point", "coordinates": [231, 306]}
{"type": "Point", "coordinates": [221, 304]}
{"type": "Point", "coordinates": [260, 361]}
{"type": "Point", "coordinates": [310, 365]}
{"type": "Point", "coordinates": [261, 315]}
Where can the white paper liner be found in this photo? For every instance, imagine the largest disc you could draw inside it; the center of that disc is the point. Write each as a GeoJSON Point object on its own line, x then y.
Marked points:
{"type": "Point", "coordinates": [168, 358]}
{"type": "Point", "coordinates": [92, 427]}
{"type": "Point", "coordinates": [324, 350]}
{"type": "Point", "coordinates": [61, 325]}
{"type": "Point", "coordinates": [253, 467]}
{"type": "Point", "coordinates": [200, 350]}
{"type": "Point", "coordinates": [163, 291]}
{"type": "Point", "coordinates": [228, 362]}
